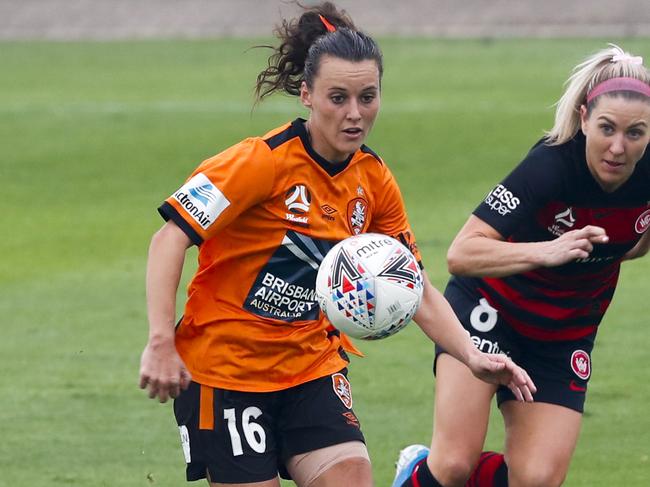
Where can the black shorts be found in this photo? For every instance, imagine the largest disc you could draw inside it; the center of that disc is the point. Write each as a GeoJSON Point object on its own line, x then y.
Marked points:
{"type": "Point", "coordinates": [560, 369]}
{"type": "Point", "coordinates": [241, 437]}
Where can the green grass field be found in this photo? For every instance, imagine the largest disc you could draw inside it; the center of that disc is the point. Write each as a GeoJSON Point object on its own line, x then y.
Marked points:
{"type": "Point", "coordinates": [95, 135]}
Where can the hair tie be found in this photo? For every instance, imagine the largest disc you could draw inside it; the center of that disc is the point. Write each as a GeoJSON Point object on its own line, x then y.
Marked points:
{"type": "Point", "coordinates": [328, 26]}
{"type": "Point", "coordinates": [619, 84]}
{"type": "Point", "coordinates": [627, 58]}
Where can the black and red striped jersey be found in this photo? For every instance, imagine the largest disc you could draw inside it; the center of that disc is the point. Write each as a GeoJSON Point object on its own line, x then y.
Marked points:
{"type": "Point", "coordinates": [551, 192]}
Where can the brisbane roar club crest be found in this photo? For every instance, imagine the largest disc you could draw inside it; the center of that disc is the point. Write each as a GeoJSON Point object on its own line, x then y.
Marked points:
{"type": "Point", "coordinates": [357, 215]}
{"type": "Point", "coordinates": [342, 389]}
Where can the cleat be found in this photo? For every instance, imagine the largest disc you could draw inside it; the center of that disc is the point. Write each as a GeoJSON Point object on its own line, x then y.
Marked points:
{"type": "Point", "coordinates": [409, 457]}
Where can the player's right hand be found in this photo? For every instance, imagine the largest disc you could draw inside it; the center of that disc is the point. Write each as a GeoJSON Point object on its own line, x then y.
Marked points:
{"type": "Point", "coordinates": [162, 371]}
{"type": "Point", "coordinates": [500, 369]}
{"type": "Point", "coordinates": [572, 245]}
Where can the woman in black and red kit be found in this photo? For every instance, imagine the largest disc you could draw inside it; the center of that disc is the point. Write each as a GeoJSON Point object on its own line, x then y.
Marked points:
{"type": "Point", "coordinates": [534, 270]}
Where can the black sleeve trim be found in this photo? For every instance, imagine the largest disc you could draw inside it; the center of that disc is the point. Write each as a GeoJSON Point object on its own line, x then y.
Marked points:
{"type": "Point", "coordinates": [368, 150]}
{"type": "Point", "coordinates": [168, 212]}
{"type": "Point", "coordinates": [278, 139]}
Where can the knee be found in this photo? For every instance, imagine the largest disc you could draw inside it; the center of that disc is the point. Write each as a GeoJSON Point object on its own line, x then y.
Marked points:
{"type": "Point", "coordinates": [452, 469]}
{"type": "Point", "coordinates": [535, 474]}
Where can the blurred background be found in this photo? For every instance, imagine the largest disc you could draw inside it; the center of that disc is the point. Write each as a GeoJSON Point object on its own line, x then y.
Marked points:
{"type": "Point", "coordinates": [107, 106]}
{"type": "Point", "coordinates": [151, 19]}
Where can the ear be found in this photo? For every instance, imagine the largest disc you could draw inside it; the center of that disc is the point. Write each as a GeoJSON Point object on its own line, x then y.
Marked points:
{"type": "Point", "coordinates": [305, 95]}
{"type": "Point", "coordinates": [583, 117]}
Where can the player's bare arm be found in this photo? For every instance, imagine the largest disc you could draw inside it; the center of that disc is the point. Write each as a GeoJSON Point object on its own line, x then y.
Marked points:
{"type": "Point", "coordinates": [480, 250]}
{"type": "Point", "coordinates": [438, 321]}
{"type": "Point", "coordinates": [162, 371]}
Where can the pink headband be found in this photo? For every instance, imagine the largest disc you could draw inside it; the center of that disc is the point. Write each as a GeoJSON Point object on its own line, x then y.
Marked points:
{"type": "Point", "coordinates": [619, 84]}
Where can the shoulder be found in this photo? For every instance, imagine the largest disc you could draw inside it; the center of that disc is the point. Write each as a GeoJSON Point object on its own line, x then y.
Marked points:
{"type": "Point", "coordinates": [250, 153]}
{"type": "Point", "coordinates": [364, 149]}
{"type": "Point", "coordinates": [554, 163]}
{"type": "Point", "coordinates": [281, 135]}
{"type": "Point", "coordinates": [559, 156]}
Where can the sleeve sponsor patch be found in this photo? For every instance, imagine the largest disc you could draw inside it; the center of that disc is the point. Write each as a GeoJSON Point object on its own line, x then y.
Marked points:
{"type": "Point", "coordinates": [502, 200]}
{"type": "Point", "coordinates": [202, 200]}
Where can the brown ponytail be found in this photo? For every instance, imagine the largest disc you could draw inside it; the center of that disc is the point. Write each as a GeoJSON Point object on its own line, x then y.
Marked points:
{"type": "Point", "coordinates": [304, 41]}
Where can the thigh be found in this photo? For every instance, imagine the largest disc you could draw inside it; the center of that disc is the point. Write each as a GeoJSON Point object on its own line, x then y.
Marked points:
{"type": "Point", "coordinates": [461, 415]}
{"type": "Point", "coordinates": [342, 464]}
{"type": "Point", "coordinates": [560, 370]}
{"type": "Point", "coordinates": [540, 440]}
{"type": "Point", "coordinates": [316, 415]}
{"type": "Point", "coordinates": [319, 434]}
{"type": "Point", "coordinates": [462, 402]}
{"type": "Point", "coordinates": [228, 436]}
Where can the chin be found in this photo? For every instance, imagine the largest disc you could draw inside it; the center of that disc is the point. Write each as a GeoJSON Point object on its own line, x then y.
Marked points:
{"type": "Point", "coordinates": [351, 148]}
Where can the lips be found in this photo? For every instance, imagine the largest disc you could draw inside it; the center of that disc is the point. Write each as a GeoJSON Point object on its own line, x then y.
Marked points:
{"type": "Point", "coordinates": [353, 131]}
{"type": "Point", "coordinates": [613, 164]}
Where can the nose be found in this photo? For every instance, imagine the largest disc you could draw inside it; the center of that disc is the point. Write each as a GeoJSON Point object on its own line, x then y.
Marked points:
{"type": "Point", "coordinates": [617, 147]}
{"type": "Point", "coordinates": [354, 114]}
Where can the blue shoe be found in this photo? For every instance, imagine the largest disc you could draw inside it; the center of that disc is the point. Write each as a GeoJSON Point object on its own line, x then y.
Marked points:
{"type": "Point", "coordinates": [409, 457]}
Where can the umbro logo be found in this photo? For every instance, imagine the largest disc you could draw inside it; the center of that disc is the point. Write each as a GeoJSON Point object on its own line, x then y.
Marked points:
{"type": "Point", "coordinates": [328, 211]}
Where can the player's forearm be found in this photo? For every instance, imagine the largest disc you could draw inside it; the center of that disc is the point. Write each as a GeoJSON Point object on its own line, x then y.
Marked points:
{"type": "Point", "coordinates": [438, 321]}
{"type": "Point", "coordinates": [164, 268]}
{"type": "Point", "coordinates": [485, 257]}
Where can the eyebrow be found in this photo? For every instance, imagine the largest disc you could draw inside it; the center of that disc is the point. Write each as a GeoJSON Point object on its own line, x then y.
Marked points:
{"type": "Point", "coordinates": [642, 122]}
{"type": "Point", "coordinates": [340, 88]}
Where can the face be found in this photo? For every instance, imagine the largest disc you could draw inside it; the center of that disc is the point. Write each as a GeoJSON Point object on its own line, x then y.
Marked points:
{"type": "Point", "coordinates": [344, 102]}
{"type": "Point", "coordinates": [617, 133]}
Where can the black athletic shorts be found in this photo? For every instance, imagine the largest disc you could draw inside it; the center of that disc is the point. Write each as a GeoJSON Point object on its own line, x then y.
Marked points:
{"type": "Point", "coordinates": [241, 437]}
{"type": "Point", "coordinates": [559, 369]}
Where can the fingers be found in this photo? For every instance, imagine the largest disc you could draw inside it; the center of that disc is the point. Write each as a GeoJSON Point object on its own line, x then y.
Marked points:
{"type": "Point", "coordinates": [186, 378]}
{"type": "Point", "coordinates": [163, 373]}
{"type": "Point", "coordinates": [165, 389]}
{"type": "Point", "coordinates": [594, 234]}
{"type": "Point", "coordinates": [516, 391]}
{"type": "Point", "coordinates": [516, 378]}
{"type": "Point", "coordinates": [521, 393]}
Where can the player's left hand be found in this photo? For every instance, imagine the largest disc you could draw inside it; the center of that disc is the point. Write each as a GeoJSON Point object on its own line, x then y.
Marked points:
{"type": "Point", "coordinates": [500, 369]}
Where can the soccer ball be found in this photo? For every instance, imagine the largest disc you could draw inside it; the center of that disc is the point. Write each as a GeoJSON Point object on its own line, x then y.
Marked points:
{"type": "Point", "coordinates": [369, 286]}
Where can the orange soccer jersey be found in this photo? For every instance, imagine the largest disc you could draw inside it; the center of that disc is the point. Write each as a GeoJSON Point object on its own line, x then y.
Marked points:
{"type": "Point", "coordinates": [265, 212]}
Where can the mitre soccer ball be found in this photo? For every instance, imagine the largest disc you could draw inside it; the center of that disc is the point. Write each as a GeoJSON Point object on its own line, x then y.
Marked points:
{"type": "Point", "coordinates": [369, 286]}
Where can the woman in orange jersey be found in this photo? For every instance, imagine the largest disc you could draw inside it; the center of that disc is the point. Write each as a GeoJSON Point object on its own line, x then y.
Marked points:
{"type": "Point", "coordinates": [258, 373]}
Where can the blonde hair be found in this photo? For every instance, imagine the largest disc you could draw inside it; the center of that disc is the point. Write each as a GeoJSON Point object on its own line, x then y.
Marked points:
{"type": "Point", "coordinates": [597, 68]}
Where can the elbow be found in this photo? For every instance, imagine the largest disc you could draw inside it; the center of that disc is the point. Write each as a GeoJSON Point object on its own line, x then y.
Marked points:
{"type": "Point", "coordinates": [455, 262]}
